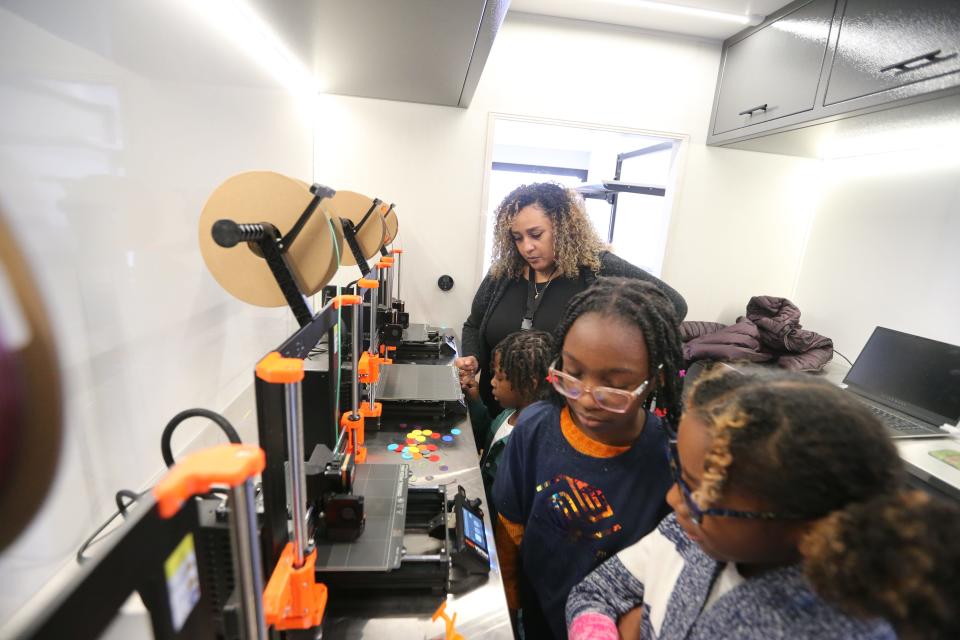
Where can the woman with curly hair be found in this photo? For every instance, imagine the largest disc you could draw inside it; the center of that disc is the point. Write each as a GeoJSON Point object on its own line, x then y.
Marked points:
{"type": "Point", "coordinates": [545, 251]}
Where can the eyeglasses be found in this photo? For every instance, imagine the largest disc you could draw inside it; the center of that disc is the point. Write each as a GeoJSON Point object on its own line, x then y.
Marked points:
{"type": "Point", "coordinates": [696, 513]}
{"type": "Point", "coordinates": [608, 398]}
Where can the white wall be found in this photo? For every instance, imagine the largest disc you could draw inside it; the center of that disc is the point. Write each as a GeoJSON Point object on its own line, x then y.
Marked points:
{"type": "Point", "coordinates": [430, 160]}
{"type": "Point", "coordinates": [739, 228]}
{"type": "Point", "coordinates": [884, 248]}
{"type": "Point", "coordinates": [113, 133]}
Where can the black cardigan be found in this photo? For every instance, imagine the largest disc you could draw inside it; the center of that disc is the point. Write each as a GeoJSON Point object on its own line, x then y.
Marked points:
{"type": "Point", "coordinates": [491, 290]}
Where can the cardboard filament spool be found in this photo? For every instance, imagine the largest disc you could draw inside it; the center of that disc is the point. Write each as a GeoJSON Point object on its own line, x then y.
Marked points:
{"type": "Point", "coordinates": [263, 196]}
{"type": "Point", "coordinates": [354, 206]}
{"type": "Point", "coordinates": [392, 224]}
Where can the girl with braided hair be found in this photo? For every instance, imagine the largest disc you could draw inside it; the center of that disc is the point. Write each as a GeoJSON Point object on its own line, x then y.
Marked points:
{"type": "Point", "coordinates": [791, 521]}
{"type": "Point", "coordinates": [583, 474]}
{"type": "Point", "coordinates": [545, 251]}
{"type": "Point", "coordinates": [520, 365]}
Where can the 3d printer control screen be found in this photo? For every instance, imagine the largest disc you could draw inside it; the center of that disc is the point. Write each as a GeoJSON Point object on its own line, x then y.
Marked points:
{"type": "Point", "coordinates": [473, 529]}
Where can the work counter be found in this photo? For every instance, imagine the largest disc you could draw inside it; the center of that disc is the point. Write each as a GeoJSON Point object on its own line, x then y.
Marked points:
{"type": "Point", "coordinates": [482, 611]}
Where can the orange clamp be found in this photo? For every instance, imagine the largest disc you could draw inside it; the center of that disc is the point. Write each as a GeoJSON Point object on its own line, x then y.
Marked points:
{"type": "Point", "coordinates": [396, 251]}
{"type": "Point", "coordinates": [229, 464]}
{"type": "Point", "coordinates": [448, 622]}
{"type": "Point", "coordinates": [346, 301]}
{"type": "Point", "coordinates": [384, 352]}
{"type": "Point", "coordinates": [293, 599]}
{"type": "Point", "coordinates": [384, 265]}
{"type": "Point", "coordinates": [367, 412]}
{"type": "Point", "coordinates": [364, 283]}
{"type": "Point", "coordinates": [355, 435]}
{"type": "Point", "coordinates": [369, 369]}
{"type": "Point", "coordinates": [277, 369]}
{"type": "Point", "coordinates": [388, 260]}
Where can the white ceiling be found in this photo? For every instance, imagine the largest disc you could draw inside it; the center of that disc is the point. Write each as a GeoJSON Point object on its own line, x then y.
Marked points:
{"type": "Point", "coordinates": [660, 15]}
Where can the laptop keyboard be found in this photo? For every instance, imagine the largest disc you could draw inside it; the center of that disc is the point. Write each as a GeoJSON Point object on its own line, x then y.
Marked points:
{"type": "Point", "coordinates": [897, 423]}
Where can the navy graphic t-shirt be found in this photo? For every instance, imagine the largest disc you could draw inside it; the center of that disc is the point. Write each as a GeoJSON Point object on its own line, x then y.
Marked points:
{"type": "Point", "coordinates": [580, 502]}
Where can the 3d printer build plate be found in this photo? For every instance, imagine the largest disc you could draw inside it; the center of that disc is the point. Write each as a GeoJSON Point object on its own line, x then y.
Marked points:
{"type": "Point", "coordinates": [419, 382]}
{"type": "Point", "coordinates": [380, 547]}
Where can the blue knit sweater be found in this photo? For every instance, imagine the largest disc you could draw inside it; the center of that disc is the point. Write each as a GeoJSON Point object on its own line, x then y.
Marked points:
{"type": "Point", "coordinates": [676, 583]}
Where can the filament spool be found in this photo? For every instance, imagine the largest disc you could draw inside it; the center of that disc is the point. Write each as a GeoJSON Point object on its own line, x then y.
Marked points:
{"type": "Point", "coordinates": [265, 196]}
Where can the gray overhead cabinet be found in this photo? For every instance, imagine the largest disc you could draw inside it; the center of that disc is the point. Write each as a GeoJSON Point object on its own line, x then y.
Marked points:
{"type": "Point", "coordinates": [816, 62]}
{"type": "Point", "coordinates": [774, 71]}
{"type": "Point", "coordinates": [887, 44]}
{"type": "Point", "coordinates": [429, 51]}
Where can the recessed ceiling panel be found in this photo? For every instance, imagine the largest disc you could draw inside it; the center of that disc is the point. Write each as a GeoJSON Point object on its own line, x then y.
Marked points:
{"type": "Point", "coordinates": [715, 19]}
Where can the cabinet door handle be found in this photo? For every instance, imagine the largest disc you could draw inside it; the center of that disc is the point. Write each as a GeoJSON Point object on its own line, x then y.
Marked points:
{"type": "Point", "coordinates": [749, 112]}
{"type": "Point", "coordinates": [931, 58]}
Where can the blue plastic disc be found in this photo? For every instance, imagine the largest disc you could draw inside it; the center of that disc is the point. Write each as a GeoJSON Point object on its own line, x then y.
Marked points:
{"type": "Point", "coordinates": [406, 456]}
{"type": "Point", "coordinates": [447, 438]}
{"type": "Point", "coordinates": [391, 447]}
{"type": "Point", "coordinates": [455, 432]}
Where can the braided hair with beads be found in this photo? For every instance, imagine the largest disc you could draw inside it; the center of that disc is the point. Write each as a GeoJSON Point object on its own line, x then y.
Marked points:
{"type": "Point", "coordinates": [644, 305]}
{"type": "Point", "coordinates": [524, 359]}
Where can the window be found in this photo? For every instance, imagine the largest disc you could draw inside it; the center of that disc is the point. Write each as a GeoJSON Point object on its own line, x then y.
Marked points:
{"type": "Point", "coordinates": [575, 155]}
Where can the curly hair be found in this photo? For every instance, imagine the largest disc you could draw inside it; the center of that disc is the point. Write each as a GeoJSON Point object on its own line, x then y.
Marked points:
{"type": "Point", "coordinates": [895, 557]}
{"type": "Point", "coordinates": [649, 309]}
{"type": "Point", "coordinates": [791, 440]}
{"type": "Point", "coordinates": [576, 243]}
{"type": "Point", "coordinates": [802, 445]}
{"type": "Point", "coordinates": [524, 359]}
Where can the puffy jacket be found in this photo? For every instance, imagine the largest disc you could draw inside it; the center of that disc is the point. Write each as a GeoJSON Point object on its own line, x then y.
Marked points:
{"type": "Point", "coordinates": [770, 332]}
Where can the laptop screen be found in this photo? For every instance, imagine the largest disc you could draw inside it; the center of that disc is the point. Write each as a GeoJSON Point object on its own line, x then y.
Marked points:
{"type": "Point", "coordinates": [901, 370]}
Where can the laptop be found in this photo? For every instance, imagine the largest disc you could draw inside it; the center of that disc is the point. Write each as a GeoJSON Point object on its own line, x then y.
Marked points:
{"type": "Point", "coordinates": [911, 383]}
